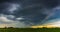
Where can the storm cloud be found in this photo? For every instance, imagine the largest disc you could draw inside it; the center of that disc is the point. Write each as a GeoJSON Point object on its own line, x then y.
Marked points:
{"type": "Point", "coordinates": [32, 12]}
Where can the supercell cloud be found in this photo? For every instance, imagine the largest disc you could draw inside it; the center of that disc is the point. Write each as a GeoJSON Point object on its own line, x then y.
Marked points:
{"type": "Point", "coordinates": [28, 12]}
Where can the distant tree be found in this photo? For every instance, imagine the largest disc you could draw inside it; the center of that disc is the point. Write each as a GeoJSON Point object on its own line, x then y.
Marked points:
{"type": "Point", "coordinates": [5, 27]}
{"type": "Point", "coordinates": [44, 27]}
{"type": "Point", "coordinates": [10, 27]}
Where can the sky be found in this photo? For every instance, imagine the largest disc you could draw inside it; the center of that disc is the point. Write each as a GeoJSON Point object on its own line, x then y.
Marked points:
{"type": "Point", "coordinates": [26, 13]}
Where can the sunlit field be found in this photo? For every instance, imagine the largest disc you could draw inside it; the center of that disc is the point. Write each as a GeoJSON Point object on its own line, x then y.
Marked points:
{"type": "Point", "coordinates": [29, 29]}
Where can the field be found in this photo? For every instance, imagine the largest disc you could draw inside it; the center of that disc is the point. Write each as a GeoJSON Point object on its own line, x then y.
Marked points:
{"type": "Point", "coordinates": [29, 29]}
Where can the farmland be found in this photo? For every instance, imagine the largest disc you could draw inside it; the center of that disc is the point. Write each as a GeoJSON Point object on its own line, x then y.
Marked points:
{"type": "Point", "coordinates": [29, 29]}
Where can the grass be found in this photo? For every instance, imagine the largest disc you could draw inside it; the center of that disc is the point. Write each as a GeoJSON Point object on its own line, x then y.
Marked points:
{"type": "Point", "coordinates": [29, 29]}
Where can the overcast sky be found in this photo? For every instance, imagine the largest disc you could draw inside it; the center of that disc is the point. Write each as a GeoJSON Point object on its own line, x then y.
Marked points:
{"type": "Point", "coordinates": [24, 13]}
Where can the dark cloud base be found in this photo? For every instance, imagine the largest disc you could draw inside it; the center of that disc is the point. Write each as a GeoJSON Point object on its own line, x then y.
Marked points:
{"type": "Point", "coordinates": [32, 10]}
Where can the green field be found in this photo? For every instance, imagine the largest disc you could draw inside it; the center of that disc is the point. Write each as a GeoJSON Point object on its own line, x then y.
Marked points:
{"type": "Point", "coordinates": [29, 29]}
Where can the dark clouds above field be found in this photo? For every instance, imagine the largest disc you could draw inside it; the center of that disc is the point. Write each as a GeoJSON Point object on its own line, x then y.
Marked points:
{"type": "Point", "coordinates": [27, 12]}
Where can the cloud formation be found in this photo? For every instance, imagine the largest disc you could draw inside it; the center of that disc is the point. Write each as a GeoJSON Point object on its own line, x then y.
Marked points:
{"type": "Point", "coordinates": [30, 12]}
{"type": "Point", "coordinates": [5, 22]}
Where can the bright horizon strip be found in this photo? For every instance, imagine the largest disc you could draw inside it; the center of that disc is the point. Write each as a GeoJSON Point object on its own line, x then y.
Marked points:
{"type": "Point", "coordinates": [47, 26]}
{"type": "Point", "coordinates": [55, 23]}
